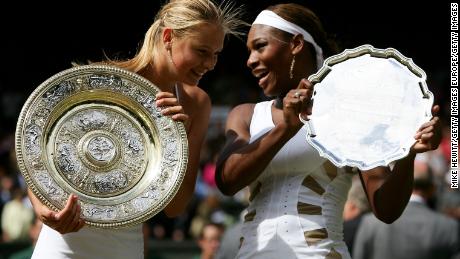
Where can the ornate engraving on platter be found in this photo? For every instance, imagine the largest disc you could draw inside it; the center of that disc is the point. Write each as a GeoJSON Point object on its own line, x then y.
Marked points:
{"type": "Point", "coordinates": [67, 159]}
{"type": "Point", "coordinates": [57, 93]}
{"type": "Point", "coordinates": [100, 151]}
{"type": "Point", "coordinates": [32, 140]}
{"type": "Point", "coordinates": [95, 131]}
{"type": "Point", "coordinates": [111, 81]}
{"type": "Point", "coordinates": [54, 191]}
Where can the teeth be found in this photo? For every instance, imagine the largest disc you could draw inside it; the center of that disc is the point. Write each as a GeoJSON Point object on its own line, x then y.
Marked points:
{"type": "Point", "coordinates": [261, 75]}
{"type": "Point", "coordinates": [200, 74]}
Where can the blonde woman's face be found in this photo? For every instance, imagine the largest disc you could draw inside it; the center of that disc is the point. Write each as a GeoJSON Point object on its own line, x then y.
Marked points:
{"type": "Point", "coordinates": [196, 54]}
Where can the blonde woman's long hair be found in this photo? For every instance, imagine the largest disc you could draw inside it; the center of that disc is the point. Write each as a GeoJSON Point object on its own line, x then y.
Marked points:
{"type": "Point", "coordinates": [182, 16]}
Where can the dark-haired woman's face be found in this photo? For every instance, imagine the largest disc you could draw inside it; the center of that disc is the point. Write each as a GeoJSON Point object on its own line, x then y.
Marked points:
{"type": "Point", "coordinates": [269, 59]}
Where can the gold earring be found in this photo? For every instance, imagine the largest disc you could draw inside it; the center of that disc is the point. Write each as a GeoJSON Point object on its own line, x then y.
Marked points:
{"type": "Point", "coordinates": [291, 70]}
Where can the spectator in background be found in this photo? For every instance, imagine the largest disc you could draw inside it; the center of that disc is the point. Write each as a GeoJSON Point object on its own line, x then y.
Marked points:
{"type": "Point", "coordinates": [420, 233]}
{"type": "Point", "coordinates": [449, 198]}
{"type": "Point", "coordinates": [449, 203]}
{"type": "Point", "coordinates": [209, 169]}
{"type": "Point", "coordinates": [355, 207]}
{"type": "Point", "coordinates": [209, 240]}
{"type": "Point", "coordinates": [16, 218]}
{"type": "Point", "coordinates": [231, 240]}
{"type": "Point", "coordinates": [206, 210]}
{"type": "Point", "coordinates": [9, 175]}
{"type": "Point", "coordinates": [34, 231]}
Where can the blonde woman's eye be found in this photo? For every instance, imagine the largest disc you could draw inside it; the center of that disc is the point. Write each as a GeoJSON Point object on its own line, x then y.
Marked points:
{"type": "Point", "coordinates": [202, 51]}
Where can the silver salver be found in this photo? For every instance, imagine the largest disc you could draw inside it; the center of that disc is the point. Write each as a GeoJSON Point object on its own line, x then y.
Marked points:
{"type": "Point", "coordinates": [368, 103]}
{"type": "Point", "coordinates": [95, 131]}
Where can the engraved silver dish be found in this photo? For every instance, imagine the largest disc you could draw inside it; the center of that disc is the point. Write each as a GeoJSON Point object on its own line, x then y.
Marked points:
{"type": "Point", "coordinates": [96, 132]}
{"type": "Point", "coordinates": [368, 103]}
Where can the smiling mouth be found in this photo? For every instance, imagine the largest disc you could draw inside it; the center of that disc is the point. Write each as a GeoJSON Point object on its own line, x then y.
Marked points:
{"type": "Point", "coordinates": [198, 74]}
{"type": "Point", "coordinates": [262, 77]}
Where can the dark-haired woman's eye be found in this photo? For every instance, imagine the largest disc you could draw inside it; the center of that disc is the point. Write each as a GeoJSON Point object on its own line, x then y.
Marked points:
{"type": "Point", "coordinates": [260, 45]}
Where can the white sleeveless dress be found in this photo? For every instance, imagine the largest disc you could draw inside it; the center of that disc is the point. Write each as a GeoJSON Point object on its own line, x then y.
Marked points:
{"type": "Point", "coordinates": [296, 204]}
{"type": "Point", "coordinates": [90, 243]}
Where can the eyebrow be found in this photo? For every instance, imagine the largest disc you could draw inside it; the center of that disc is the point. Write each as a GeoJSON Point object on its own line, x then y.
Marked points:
{"type": "Point", "coordinates": [259, 38]}
{"type": "Point", "coordinates": [255, 40]}
{"type": "Point", "coordinates": [208, 48]}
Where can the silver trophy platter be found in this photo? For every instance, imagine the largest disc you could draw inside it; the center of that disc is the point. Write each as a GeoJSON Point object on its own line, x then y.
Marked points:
{"type": "Point", "coordinates": [368, 103]}
{"type": "Point", "coordinates": [96, 132]}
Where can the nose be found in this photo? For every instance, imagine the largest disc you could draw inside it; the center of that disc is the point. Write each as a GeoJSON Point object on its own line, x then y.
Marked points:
{"type": "Point", "coordinates": [252, 60]}
{"type": "Point", "coordinates": [210, 62]}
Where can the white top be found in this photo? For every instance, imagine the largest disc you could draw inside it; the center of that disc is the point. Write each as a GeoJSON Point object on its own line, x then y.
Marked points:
{"type": "Point", "coordinates": [296, 203]}
{"type": "Point", "coordinates": [90, 242]}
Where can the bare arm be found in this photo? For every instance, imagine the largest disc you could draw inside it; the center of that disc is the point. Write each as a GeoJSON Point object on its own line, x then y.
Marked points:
{"type": "Point", "coordinates": [240, 162]}
{"type": "Point", "coordinates": [389, 191]}
{"type": "Point", "coordinates": [195, 135]}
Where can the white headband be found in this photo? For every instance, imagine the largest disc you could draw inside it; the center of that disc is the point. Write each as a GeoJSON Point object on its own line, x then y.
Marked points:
{"type": "Point", "coordinates": [270, 18]}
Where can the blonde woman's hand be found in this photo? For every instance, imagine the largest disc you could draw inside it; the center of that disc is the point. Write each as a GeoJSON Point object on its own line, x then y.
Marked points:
{"type": "Point", "coordinates": [171, 106]}
{"type": "Point", "coordinates": [65, 221]}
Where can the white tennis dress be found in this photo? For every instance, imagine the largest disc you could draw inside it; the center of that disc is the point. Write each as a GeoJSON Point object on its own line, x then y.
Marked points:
{"type": "Point", "coordinates": [90, 243]}
{"type": "Point", "coordinates": [296, 204]}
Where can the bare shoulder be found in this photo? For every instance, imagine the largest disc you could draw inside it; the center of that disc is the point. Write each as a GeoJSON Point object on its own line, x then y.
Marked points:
{"type": "Point", "coordinates": [244, 110]}
{"type": "Point", "coordinates": [240, 115]}
{"type": "Point", "coordinates": [198, 98]}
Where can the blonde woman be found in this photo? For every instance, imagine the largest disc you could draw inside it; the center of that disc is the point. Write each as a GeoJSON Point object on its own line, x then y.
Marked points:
{"type": "Point", "coordinates": [181, 45]}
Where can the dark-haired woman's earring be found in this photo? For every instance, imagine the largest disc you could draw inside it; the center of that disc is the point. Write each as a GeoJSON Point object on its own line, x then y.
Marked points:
{"type": "Point", "coordinates": [291, 70]}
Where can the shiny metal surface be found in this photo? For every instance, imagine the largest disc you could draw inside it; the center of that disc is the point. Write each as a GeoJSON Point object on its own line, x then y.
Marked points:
{"type": "Point", "coordinates": [95, 131]}
{"type": "Point", "coordinates": [368, 103]}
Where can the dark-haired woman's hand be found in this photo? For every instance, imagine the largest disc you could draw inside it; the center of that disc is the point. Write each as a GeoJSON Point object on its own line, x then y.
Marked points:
{"type": "Point", "coordinates": [298, 102]}
{"type": "Point", "coordinates": [429, 135]}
